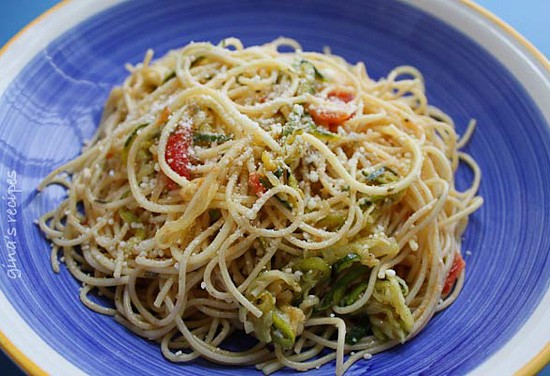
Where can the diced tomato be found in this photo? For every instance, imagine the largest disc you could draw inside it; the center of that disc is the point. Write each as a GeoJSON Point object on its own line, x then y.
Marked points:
{"type": "Point", "coordinates": [255, 183]}
{"type": "Point", "coordinates": [458, 266]}
{"type": "Point", "coordinates": [329, 119]}
{"type": "Point", "coordinates": [332, 118]}
{"type": "Point", "coordinates": [177, 151]}
{"type": "Point", "coordinates": [344, 96]}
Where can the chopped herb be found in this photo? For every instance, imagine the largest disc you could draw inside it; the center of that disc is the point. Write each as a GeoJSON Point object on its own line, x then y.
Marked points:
{"type": "Point", "coordinates": [203, 139]}
{"type": "Point", "coordinates": [128, 216]}
{"type": "Point", "coordinates": [383, 175]}
{"type": "Point", "coordinates": [279, 172]}
{"type": "Point", "coordinates": [297, 122]}
{"type": "Point", "coordinates": [285, 203]}
{"type": "Point", "coordinates": [358, 331]}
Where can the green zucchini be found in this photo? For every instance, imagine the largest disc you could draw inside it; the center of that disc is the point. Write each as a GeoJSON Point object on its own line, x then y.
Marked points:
{"type": "Point", "coordinates": [205, 139]}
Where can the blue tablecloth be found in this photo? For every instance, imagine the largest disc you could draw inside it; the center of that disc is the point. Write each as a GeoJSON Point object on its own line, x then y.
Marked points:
{"type": "Point", "coordinates": [529, 17]}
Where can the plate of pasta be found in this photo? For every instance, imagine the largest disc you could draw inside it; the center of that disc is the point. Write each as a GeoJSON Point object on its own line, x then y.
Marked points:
{"type": "Point", "coordinates": [238, 190]}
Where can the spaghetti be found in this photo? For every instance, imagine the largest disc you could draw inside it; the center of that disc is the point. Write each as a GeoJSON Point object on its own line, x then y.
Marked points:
{"type": "Point", "coordinates": [284, 194]}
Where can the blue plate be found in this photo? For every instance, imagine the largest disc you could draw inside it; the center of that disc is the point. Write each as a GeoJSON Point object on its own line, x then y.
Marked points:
{"type": "Point", "coordinates": [57, 78]}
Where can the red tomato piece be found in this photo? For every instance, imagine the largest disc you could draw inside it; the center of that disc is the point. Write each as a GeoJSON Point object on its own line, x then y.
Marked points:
{"type": "Point", "coordinates": [332, 118]}
{"type": "Point", "coordinates": [255, 183]}
{"type": "Point", "coordinates": [177, 151]}
{"type": "Point", "coordinates": [344, 96]}
{"type": "Point", "coordinates": [329, 119]}
{"type": "Point", "coordinates": [458, 266]}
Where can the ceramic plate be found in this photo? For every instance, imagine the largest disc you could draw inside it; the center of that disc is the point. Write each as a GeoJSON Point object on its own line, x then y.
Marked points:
{"type": "Point", "coordinates": [56, 76]}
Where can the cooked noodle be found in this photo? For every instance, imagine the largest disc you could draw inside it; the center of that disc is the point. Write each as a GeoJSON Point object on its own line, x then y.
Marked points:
{"type": "Point", "coordinates": [286, 195]}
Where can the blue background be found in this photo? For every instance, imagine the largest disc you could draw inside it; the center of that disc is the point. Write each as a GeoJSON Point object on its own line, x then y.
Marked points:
{"type": "Point", "coordinates": [529, 17]}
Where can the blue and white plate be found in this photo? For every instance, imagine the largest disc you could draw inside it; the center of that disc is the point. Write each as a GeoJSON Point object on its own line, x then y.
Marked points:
{"type": "Point", "coordinates": [56, 76]}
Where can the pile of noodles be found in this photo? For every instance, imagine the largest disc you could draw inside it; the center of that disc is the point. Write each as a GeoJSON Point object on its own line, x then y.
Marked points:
{"type": "Point", "coordinates": [287, 196]}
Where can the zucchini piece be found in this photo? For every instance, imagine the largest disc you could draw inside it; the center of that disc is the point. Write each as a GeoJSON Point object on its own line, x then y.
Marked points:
{"type": "Point", "coordinates": [282, 332]}
{"type": "Point", "coordinates": [357, 332]}
{"type": "Point", "coordinates": [205, 139]}
{"type": "Point", "coordinates": [324, 135]}
{"type": "Point", "coordinates": [383, 175]}
{"type": "Point", "coordinates": [128, 216]}
{"type": "Point", "coordinates": [345, 262]}
{"type": "Point", "coordinates": [132, 136]}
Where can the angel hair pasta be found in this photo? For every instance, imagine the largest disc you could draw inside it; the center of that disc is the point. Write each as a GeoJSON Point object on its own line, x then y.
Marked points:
{"type": "Point", "coordinates": [285, 195]}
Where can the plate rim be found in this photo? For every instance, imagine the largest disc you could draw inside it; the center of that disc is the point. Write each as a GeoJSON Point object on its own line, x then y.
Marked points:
{"type": "Point", "coordinates": [532, 366]}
